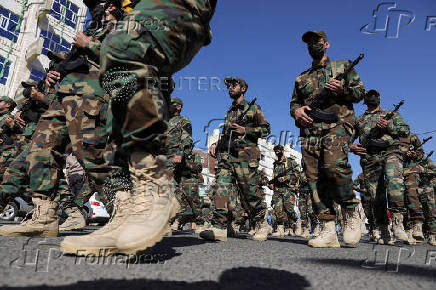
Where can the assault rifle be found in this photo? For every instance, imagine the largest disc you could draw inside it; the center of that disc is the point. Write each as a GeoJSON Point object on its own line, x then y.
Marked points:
{"type": "Point", "coordinates": [426, 176]}
{"type": "Point", "coordinates": [426, 140]}
{"type": "Point", "coordinates": [227, 138]}
{"type": "Point", "coordinates": [317, 114]}
{"type": "Point", "coordinates": [373, 140]}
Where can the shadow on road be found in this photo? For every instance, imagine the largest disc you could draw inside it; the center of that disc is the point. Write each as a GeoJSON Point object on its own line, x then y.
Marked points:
{"type": "Point", "coordinates": [293, 240]}
{"type": "Point", "coordinates": [251, 278]}
{"type": "Point", "coordinates": [419, 271]}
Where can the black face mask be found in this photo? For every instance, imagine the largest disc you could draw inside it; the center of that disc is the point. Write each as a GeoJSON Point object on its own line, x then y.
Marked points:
{"type": "Point", "coordinates": [372, 101]}
{"type": "Point", "coordinates": [316, 50]}
{"type": "Point", "coordinates": [172, 109]}
{"type": "Point", "coordinates": [279, 155]}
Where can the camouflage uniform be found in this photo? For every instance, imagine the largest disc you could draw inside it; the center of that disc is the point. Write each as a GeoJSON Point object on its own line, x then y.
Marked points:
{"type": "Point", "coordinates": [387, 163]}
{"type": "Point", "coordinates": [427, 181]}
{"type": "Point", "coordinates": [285, 189]}
{"type": "Point", "coordinates": [238, 165]}
{"type": "Point", "coordinates": [77, 118]}
{"type": "Point", "coordinates": [325, 149]}
{"type": "Point", "coordinates": [305, 203]}
{"type": "Point", "coordinates": [359, 185]}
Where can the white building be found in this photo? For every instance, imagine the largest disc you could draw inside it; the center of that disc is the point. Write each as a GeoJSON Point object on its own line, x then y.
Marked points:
{"type": "Point", "coordinates": [28, 30]}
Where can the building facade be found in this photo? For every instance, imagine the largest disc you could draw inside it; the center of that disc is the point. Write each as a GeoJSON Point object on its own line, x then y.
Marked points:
{"type": "Point", "coordinates": [28, 30]}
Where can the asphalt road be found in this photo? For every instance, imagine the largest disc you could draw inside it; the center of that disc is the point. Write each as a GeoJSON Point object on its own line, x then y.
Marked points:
{"type": "Point", "coordinates": [184, 261]}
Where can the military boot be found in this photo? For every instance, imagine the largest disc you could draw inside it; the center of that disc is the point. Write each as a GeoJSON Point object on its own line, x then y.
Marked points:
{"type": "Point", "coordinates": [417, 232]}
{"type": "Point", "coordinates": [202, 227]}
{"type": "Point", "coordinates": [316, 230]}
{"type": "Point", "coordinates": [74, 221]}
{"type": "Point", "coordinates": [352, 226]}
{"type": "Point", "coordinates": [374, 235]}
{"type": "Point", "coordinates": [432, 240]}
{"type": "Point", "coordinates": [214, 234]}
{"type": "Point", "coordinates": [175, 225]}
{"type": "Point", "coordinates": [101, 242]}
{"type": "Point", "coordinates": [261, 231]}
{"type": "Point", "coordinates": [386, 237]}
{"type": "Point", "coordinates": [154, 203]}
{"type": "Point", "coordinates": [280, 232]}
{"type": "Point", "coordinates": [410, 239]}
{"type": "Point", "coordinates": [306, 233]}
{"type": "Point", "coordinates": [298, 229]}
{"type": "Point", "coordinates": [44, 221]}
{"type": "Point", "coordinates": [398, 228]}
{"type": "Point", "coordinates": [232, 230]}
{"type": "Point", "coordinates": [327, 238]}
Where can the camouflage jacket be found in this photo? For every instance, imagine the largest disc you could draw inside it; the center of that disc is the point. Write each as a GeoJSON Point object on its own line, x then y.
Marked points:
{"type": "Point", "coordinates": [359, 183]}
{"type": "Point", "coordinates": [88, 83]}
{"type": "Point", "coordinates": [37, 108]}
{"type": "Point", "coordinates": [310, 83]}
{"type": "Point", "coordinates": [179, 134]}
{"type": "Point", "coordinates": [285, 173]}
{"type": "Point", "coordinates": [428, 176]}
{"type": "Point", "coordinates": [397, 127]}
{"type": "Point", "coordinates": [193, 165]}
{"type": "Point", "coordinates": [412, 143]}
{"type": "Point", "coordinates": [255, 123]}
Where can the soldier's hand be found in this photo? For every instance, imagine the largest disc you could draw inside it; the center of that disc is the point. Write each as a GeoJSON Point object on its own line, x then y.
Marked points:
{"type": "Point", "coordinates": [335, 86]}
{"type": "Point", "coordinates": [383, 124]}
{"type": "Point", "coordinates": [271, 186]}
{"type": "Point", "coordinates": [10, 122]}
{"type": "Point", "coordinates": [302, 118]}
{"type": "Point", "coordinates": [177, 159]}
{"type": "Point", "coordinates": [238, 129]}
{"type": "Point", "coordinates": [52, 78]}
{"type": "Point", "coordinates": [411, 153]}
{"type": "Point", "coordinates": [358, 149]}
{"type": "Point", "coordinates": [81, 40]}
{"type": "Point", "coordinates": [20, 122]}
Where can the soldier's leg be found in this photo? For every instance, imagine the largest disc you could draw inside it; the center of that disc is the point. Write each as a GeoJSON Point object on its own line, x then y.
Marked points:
{"type": "Point", "coordinates": [427, 198]}
{"type": "Point", "coordinates": [288, 205]}
{"type": "Point", "coordinates": [414, 217]}
{"type": "Point", "coordinates": [222, 195]}
{"type": "Point", "coordinates": [303, 208]}
{"type": "Point", "coordinates": [278, 209]}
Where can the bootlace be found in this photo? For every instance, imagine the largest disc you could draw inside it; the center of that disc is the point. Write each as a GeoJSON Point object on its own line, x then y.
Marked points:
{"type": "Point", "coordinates": [119, 212]}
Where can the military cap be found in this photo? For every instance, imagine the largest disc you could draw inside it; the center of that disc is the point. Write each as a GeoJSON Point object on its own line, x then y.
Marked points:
{"type": "Point", "coordinates": [8, 100]}
{"type": "Point", "coordinates": [317, 33]}
{"type": "Point", "coordinates": [29, 84]}
{"type": "Point", "coordinates": [177, 101]}
{"type": "Point", "coordinates": [231, 80]}
{"type": "Point", "coordinates": [278, 147]}
{"type": "Point", "coordinates": [373, 93]}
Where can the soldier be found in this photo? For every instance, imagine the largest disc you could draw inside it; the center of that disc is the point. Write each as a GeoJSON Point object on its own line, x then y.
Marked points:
{"type": "Point", "coordinates": [135, 65]}
{"type": "Point", "coordinates": [359, 185]}
{"type": "Point", "coordinates": [238, 161]}
{"type": "Point", "coordinates": [79, 95]}
{"type": "Point", "coordinates": [324, 143]}
{"type": "Point", "coordinates": [284, 184]}
{"type": "Point", "coordinates": [8, 146]}
{"type": "Point", "coordinates": [305, 207]}
{"type": "Point", "coordinates": [382, 161]}
{"type": "Point", "coordinates": [426, 195]}
{"type": "Point", "coordinates": [414, 153]}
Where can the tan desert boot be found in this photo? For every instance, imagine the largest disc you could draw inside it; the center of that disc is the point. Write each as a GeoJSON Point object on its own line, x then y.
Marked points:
{"type": "Point", "coordinates": [398, 227]}
{"type": "Point", "coordinates": [306, 233]}
{"type": "Point", "coordinates": [214, 234]}
{"type": "Point", "coordinates": [175, 225]}
{"type": "Point", "coordinates": [44, 221]}
{"type": "Point", "coordinates": [202, 227]}
{"type": "Point", "coordinates": [280, 231]}
{"type": "Point", "coordinates": [101, 242]}
{"type": "Point", "coordinates": [352, 230]}
{"type": "Point", "coordinates": [316, 229]}
{"type": "Point", "coordinates": [298, 229]}
{"type": "Point", "coordinates": [74, 221]}
{"type": "Point", "coordinates": [411, 240]}
{"type": "Point", "coordinates": [375, 235]}
{"type": "Point", "coordinates": [386, 237]}
{"type": "Point", "coordinates": [327, 237]}
{"type": "Point", "coordinates": [261, 231]}
{"type": "Point", "coordinates": [417, 232]}
{"type": "Point", "coordinates": [154, 203]}
{"type": "Point", "coordinates": [432, 240]}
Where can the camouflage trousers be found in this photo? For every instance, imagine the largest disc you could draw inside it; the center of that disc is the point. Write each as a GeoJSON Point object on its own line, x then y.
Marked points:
{"type": "Point", "coordinates": [428, 201]}
{"type": "Point", "coordinates": [283, 202]}
{"type": "Point", "coordinates": [411, 184]}
{"type": "Point", "coordinates": [189, 199]}
{"type": "Point", "coordinates": [328, 172]}
{"type": "Point", "coordinates": [136, 70]}
{"type": "Point", "coordinates": [7, 155]}
{"type": "Point", "coordinates": [368, 208]}
{"type": "Point", "coordinates": [305, 208]}
{"type": "Point", "coordinates": [77, 122]}
{"type": "Point", "coordinates": [243, 173]}
{"type": "Point", "coordinates": [380, 169]}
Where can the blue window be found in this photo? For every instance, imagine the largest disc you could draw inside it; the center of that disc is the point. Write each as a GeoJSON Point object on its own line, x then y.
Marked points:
{"type": "Point", "coordinates": [66, 11]}
{"type": "Point", "coordinates": [36, 75]}
{"type": "Point", "coordinates": [53, 43]}
{"type": "Point", "coordinates": [6, 65]}
{"type": "Point", "coordinates": [9, 25]}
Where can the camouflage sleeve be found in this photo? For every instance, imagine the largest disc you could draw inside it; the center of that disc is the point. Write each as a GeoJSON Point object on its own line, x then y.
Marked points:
{"type": "Point", "coordinates": [263, 128]}
{"type": "Point", "coordinates": [353, 88]}
{"type": "Point", "coordinates": [186, 138]}
{"type": "Point", "coordinates": [356, 132]}
{"type": "Point", "coordinates": [295, 101]}
{"type": "Point", "coordinates": [398, 127]}
{"type": "Point", "coordinates": [418, 147]}
{"type": "Point", "coordinates": [93, 50]}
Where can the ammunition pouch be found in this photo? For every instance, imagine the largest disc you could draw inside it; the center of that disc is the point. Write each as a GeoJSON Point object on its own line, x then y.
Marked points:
{"type": "Point", "coordinates": [319, 115]}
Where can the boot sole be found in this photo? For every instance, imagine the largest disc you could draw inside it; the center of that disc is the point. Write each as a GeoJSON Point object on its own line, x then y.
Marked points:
{"type": "Point", "coordinates": [43, 234]}
{"type": "Point", "coordinates": [259, 239]}
{"type": "Point", "coordinates": [71, 228]}
{"type": "Point", "coordinates": [330, 245]}
{"type": "Point", "coordinates": [82, 251]}
{"type": "Point", "coordinates": [133, 248]}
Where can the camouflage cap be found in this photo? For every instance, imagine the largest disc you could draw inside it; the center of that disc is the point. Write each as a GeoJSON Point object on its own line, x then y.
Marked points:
{"type": "Point", "coordinates": [373, 93]}
{"type": "Point", "coordinates": [177, 101]}
{"type": "Point", "coordinates": [8, 100]}
{"type": "Point", "coordinates": [317, 33]}
{"type": "Point", "coordinates": [241, 82]}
